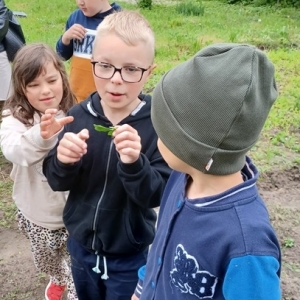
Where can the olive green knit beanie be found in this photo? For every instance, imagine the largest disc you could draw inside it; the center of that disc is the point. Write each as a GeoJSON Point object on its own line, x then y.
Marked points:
{"type": "Point", "coordinates": [210, 110]}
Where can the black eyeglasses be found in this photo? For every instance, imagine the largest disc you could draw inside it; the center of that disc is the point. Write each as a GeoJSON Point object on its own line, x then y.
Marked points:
{"type": "Point", "coordinates": [129, 74]}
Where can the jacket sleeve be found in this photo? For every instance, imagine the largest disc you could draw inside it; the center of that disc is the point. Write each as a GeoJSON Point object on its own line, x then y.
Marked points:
{"type": "Point", "coordinates": [139, 286]}
{"type": "Point", "coordinates": [60, 176]}
{"type": "Point", "coordinates": [145, 180]}
{"type": "Point", "coordinates": [22, 145]}
{"type": "Point", "coordinates": [65, 51]}
{"type": "Point", "coordinates": [257, 277]}
{"type": "Point", "coordinates": [3, 20]}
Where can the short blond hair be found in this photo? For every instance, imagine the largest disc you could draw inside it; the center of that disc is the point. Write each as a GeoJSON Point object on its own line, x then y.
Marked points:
{"type": "Point", "coordinates": [130, 26]}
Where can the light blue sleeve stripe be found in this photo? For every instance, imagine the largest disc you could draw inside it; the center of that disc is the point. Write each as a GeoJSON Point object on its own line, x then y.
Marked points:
{"type": "Point", "coordinates": [252, 277]}
{"type": "Point", "coordinates": [142, 272]}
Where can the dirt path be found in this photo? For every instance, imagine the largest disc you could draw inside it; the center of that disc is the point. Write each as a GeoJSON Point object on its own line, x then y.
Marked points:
{"type": "Point", "coordinates": [18, 277]}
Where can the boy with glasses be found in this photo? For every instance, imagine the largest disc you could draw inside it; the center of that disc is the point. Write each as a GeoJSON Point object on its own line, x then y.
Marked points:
{"type": "Point", "coordinates": [114, 183]}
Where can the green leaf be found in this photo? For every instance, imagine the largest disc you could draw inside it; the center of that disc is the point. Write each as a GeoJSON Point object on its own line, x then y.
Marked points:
{"type": "Point", "coordinates": [108, 130]}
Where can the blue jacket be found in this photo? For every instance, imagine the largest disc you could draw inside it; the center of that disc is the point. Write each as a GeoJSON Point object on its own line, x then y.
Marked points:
{"type": "Point", "coordinates": [219, 247]}
{"type": "Point", "coordinates": [110, 205]}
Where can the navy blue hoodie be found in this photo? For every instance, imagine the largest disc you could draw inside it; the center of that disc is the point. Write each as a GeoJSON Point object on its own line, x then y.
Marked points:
{"type": "Point", "coordinates": [110, 205]}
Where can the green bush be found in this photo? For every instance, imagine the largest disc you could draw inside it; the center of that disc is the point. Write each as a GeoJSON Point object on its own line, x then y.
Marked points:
{"type": "Point", "coordinates": [190, 8]}
{"type": "Point", "coordinates": [144, 4]}
{"type": "Point", "coordinates": [282, 3]}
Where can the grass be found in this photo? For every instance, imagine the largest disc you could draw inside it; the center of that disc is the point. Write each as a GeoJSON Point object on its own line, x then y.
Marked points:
{"type": "Point", "coordinates": [289, 243]}
{"type": "Point", "coordinates": [178, 37]}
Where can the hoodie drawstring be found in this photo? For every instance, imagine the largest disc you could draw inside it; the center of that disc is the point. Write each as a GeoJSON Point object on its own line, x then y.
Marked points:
{"type": "Point", "coordinates": [104, 276]}
{"type": "Point", "coordinates": [98, 271]}
{"type": "Point", "coordinates": [96, 268]}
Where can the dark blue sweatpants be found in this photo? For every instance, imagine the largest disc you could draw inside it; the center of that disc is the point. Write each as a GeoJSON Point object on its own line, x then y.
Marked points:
{"type": "Point", "coordinates": [122, 274]}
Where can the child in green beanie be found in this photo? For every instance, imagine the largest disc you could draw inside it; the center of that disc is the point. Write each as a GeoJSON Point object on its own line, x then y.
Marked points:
{"type": "Point", "coordinates": [214, 239]}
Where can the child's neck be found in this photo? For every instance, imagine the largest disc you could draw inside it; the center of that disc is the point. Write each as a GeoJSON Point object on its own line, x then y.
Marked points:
{"type": "Point", "coordinates": [204, 185]}
{"type": "Point", "coordinates": [115, 116]}
{"type": "Point", "coordinates": [105, 7]}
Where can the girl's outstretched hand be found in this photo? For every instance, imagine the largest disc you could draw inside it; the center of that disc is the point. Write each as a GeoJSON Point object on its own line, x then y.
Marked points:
{"type": "Point", "coordinates": [50, 125]}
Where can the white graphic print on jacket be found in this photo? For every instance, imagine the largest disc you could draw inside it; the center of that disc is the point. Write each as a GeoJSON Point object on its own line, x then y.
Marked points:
{"type": "Point", "coordinates": [189, 278]}
{"type": "Point", "coordinates": [84, 47]}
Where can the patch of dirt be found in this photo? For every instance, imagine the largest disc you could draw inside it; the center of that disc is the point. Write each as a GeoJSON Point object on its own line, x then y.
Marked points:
{"type": "Point", "coordinates": [281, 190]}
{"type": "Point", "coordinates": [18, 277]}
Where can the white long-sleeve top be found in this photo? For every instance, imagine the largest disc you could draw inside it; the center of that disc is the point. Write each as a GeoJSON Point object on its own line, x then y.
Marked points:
{"type": "Point", "coordinates": [26, 149]}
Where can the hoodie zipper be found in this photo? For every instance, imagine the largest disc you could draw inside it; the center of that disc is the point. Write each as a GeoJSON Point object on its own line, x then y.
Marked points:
{"type": "Point", "coordinates": [102, 195]}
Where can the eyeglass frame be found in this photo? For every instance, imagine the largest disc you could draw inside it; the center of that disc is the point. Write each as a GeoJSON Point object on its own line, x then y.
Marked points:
{"type": "Point", "coordinates": [93, 62]}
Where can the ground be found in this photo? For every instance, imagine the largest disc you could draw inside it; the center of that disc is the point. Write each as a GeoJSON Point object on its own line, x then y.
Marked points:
{"type": "Point", "coordinates": [19, 279]}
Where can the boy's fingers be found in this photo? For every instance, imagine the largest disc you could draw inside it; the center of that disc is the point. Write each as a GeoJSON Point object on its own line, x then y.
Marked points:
{"type": "Point", "coordinates": [67, 156]}
{"type": "Point", "coordinates": [83, 134]}
{"type": "Point", "coordinates": [125, 132]}
{"type": "Point", "coordinates": [72, 146]}
{"type": "Point", "coordinates": [123, 138]}
{"type": "Point", "coordinates": [125, 127]}
{"type": "Point", "coordinates": [71, 142]}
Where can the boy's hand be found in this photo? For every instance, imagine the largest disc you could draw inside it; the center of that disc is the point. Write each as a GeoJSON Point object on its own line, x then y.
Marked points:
{"type": "Point", "coordinates": [76, 32]}
{"type": "Point", "coordinates": [128, 143]}
{"type": "Point", "coordinates": [49, 126]}
{"type": "Point", "coordinates": [72, 146]}
{"type": "Point", "coordinates": [134, 297]}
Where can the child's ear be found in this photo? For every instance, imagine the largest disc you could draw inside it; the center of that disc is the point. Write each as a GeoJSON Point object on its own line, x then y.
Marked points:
{"type": "Point", "coordinates": [152, 68]}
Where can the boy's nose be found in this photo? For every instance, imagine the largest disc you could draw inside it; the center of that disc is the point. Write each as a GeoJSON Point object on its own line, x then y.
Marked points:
{"type": "Point", "coordinates": [116, 78]}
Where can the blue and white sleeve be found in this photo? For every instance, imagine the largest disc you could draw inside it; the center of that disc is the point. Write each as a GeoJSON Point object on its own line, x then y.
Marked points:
{"type": "Point", "coordinates": [139, 286]}
{"type": "Point", "coordinates": [252, 277]}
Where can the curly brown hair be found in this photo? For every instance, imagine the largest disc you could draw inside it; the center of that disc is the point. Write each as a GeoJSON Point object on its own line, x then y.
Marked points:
{"type": "Point", "coordinates": [28, 64]}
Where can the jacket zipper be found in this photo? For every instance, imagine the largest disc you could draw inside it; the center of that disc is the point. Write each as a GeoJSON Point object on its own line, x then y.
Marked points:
{"type": "Point", "coordinates": [102, 195]}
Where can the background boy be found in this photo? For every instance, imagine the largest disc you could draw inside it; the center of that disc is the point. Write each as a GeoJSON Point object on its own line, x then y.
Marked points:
{"type": "Point", "coordinates": [77, 41]}
{"type": "Point", "coordinates": [113, 183]}
{"type": "Point", "coordinates": [214, 238]}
